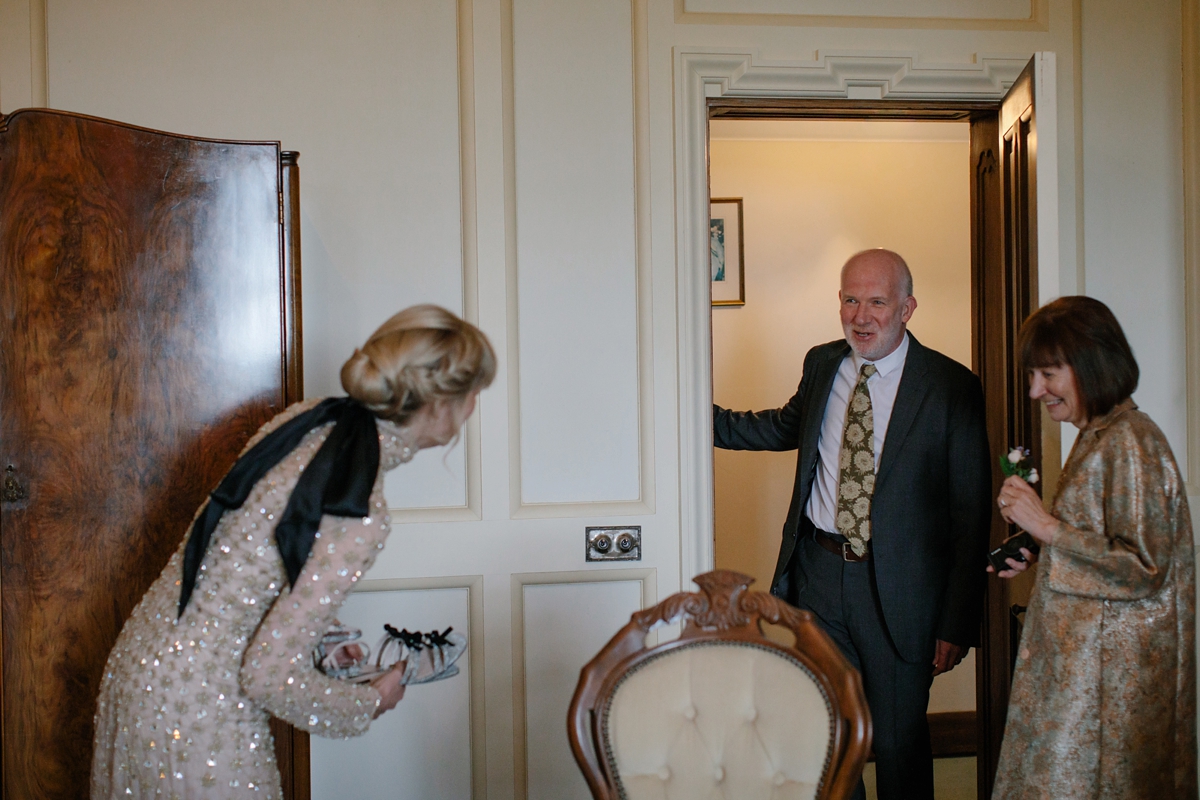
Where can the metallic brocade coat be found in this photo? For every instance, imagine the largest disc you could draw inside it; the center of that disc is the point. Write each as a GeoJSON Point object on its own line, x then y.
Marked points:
{"type": "Point", "coordinates": [1103, 700]}
{"type": "Point", "coordinates": [184, 703]}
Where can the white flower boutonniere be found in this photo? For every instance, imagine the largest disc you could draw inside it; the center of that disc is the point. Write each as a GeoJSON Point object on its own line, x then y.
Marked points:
{"type": "Point", "coordinates": [1017, 462]}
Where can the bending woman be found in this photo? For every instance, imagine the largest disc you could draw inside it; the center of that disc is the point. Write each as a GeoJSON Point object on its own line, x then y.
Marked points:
{"type": "Point", "coordinates": [1103, 700]}
{"type": "Point", "coordinates": [225, 637]}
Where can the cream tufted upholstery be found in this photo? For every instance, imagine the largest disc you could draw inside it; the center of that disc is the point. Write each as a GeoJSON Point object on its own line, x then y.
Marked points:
{"type": "Point", "coordinates": [718, 720]}
{"type": "Point", "coordinates": [721, 712]}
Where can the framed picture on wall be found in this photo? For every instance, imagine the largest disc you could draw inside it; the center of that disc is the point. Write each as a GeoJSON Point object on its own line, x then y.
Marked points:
{"type": "Point", "coordinates": [726, 253]}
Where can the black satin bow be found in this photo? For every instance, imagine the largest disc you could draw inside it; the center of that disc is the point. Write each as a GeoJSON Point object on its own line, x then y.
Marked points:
{"type": "Point", "coordinates": [338, 481]}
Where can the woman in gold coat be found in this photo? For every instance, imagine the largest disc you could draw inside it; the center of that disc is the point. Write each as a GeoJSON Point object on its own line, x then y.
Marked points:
{"type": "Point", "coordinates": [1103, 701]}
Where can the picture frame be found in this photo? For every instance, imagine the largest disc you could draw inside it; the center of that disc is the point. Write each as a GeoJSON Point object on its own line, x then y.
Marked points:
{"type": "Point", "coordinates": [727, 261]}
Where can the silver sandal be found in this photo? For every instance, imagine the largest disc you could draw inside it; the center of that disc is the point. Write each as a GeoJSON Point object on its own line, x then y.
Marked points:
{"type": "Point", "coordinates": [427, 657]}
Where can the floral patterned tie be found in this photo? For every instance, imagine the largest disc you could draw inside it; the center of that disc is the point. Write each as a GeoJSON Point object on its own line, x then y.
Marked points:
{"type": "Point", "coordinates": [856, 476]}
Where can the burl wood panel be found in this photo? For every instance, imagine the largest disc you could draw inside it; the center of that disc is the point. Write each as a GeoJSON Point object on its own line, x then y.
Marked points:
{"type": "Point", "coordinates": [141, 343]}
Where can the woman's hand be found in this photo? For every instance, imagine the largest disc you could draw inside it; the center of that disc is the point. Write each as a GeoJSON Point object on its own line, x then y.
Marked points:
{"type": "Point", "coordinates": [1020, 505]}
{"type": "Point", "coordinates": [347, 656]}
{"type": "Point", "coordinates": [1015, 567]}
{"type": "Point", "coordinates": [390, 689]}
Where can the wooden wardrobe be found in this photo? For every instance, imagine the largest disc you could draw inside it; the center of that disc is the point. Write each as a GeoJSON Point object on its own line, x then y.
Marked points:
{"type": "Point", "coordinates": [149, 324]}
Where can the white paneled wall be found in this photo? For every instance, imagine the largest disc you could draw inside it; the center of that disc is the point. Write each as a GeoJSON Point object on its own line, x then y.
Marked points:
{"type": "Point", "coordinates": [576, 250]}
{"type": "Point", "coordinates": [1133, 209]}
{"type": "Point", "coordinates": [934, 9]}
{"type": "Point", "coordinates": [555, 649]}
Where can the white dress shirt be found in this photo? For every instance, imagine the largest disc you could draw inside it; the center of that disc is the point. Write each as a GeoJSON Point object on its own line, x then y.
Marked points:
{"type": "Point", "coordinates": [822, 502]}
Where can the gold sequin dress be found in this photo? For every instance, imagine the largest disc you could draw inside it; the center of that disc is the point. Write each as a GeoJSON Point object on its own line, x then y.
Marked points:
{"type": "Point", "coordinates": [1103, 700]}
{"type": "Point", "coordinates": [184, 704]}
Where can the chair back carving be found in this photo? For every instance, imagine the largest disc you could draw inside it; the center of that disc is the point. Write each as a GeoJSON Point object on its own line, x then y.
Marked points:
{"type": "Point", "coordinates": [722, 710]}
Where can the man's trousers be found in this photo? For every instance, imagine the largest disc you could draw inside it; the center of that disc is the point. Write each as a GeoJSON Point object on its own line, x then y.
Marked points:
{"type": "Point", "coordinates": [842, 596]}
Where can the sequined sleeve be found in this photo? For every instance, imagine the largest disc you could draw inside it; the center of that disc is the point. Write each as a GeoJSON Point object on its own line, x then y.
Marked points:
{"type": "Point", "coordinates": [1114, 536]}
{"type": "Point", "coordinates": [278, 673]}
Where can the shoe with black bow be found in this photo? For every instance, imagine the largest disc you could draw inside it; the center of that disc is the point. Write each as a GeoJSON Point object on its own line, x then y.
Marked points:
{"type": "Point", "coordinates": [426, 657]}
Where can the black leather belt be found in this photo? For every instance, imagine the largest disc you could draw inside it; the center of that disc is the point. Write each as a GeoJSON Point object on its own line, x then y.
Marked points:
{"type": "Point", "coordinates": [840, 548]}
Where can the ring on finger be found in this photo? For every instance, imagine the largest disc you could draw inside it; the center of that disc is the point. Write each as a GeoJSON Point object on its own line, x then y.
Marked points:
{"type": "Point", "coordinates": [1003, 504]}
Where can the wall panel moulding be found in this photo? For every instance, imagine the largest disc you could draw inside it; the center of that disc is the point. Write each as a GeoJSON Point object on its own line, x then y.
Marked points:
{"type": "Point", "coordinates": [854, 76]}
{"type": "Point", "coordinates": [984, 15]}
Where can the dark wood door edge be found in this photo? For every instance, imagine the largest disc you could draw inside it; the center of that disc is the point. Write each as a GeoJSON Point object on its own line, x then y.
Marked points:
{"type": "Point", "coordinates": [292, 744]}
{"type": "Point", "coordinates": [292, 755]}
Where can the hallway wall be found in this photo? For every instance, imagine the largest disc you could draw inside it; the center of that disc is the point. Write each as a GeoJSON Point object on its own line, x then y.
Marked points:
{"type": "Point", "coordinates": [809, 203]}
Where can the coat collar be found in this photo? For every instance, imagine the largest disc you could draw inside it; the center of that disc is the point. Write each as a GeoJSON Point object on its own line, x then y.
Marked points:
{"type": "Point", "coordinates": [909, 396]}
{"type": "Point", "coordinates": [822, 386]}
{"type": "Point", "coordinates": [1104, 420]}
{"type": "Point", "coordinates": [828, 371]}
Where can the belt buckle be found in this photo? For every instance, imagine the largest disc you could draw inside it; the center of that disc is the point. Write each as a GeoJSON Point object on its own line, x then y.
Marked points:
{"type": "Point", "coordinates": [847, 553]}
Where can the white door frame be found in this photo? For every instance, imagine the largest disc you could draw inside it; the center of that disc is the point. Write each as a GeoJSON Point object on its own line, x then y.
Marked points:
{"type": "Point", "coordinates": [853, 76]}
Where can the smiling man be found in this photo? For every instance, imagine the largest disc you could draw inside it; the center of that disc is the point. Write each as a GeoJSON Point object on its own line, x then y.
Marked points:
{"type": "Point", "coordinates": [886, 537]}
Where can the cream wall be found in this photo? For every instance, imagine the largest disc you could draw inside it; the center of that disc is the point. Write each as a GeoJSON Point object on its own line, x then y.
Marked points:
{"type": "Point", "coordinates": [809, 204]}
{"type": "Point", "coordinates": [478, 154]}
{"type": "Point", "coordinates": [1132, 198]}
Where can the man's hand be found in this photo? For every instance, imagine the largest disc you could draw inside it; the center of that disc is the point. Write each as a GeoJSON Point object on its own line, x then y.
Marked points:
{"type": "Point", "coordinates": [946, 657]}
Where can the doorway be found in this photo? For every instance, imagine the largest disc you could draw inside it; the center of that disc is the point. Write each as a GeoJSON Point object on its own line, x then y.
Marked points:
{"type": "Point", "coordinates": [813, 192]}
{"type": "Point", "coordinates": [1000, 176]}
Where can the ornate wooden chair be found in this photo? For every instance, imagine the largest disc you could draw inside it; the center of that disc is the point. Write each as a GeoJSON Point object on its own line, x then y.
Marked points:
{"type": "Point", "coordinates": [722, 711]}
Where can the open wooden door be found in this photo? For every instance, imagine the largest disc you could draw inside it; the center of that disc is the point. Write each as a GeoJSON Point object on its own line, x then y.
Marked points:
{"type": "Point", "coordinates": [148, 326]}
{"type": "Point", "coordinates": [1005, 268]}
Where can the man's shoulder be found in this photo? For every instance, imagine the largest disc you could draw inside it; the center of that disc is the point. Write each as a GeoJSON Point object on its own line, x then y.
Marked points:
{"type": "Point", "coordinates": [824, 352]}
{"type": "Point", "coordinates": [940, 365]}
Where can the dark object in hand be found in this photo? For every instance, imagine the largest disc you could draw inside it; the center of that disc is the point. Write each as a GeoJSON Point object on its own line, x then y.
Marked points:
{"type": "Point", "coordinates": [1011, 548]}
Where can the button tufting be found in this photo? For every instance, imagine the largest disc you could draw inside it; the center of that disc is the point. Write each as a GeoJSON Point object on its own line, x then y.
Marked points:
{"type": "Point", "coordinates": [690, 712]}
{"type": "Point", "coordinates": [664, 773]}
{"type": "Point", "coordinates": [719, 774]}
{"type": "Point", "coordinates": [780, 779]}
{"type": "Point", "coordinates": [752, 716]}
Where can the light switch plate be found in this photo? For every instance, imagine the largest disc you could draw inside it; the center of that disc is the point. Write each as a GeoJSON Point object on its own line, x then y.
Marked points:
{"type": "Point", "coordinates": [614, 543]}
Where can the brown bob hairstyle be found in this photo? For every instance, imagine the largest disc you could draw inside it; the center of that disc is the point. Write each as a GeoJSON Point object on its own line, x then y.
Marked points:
{"type": "Point", "coordinates": [1082, 333]}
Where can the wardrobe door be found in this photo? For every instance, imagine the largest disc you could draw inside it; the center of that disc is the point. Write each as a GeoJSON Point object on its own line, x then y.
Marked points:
{"type": "Point", "coordinates": [145, 334]}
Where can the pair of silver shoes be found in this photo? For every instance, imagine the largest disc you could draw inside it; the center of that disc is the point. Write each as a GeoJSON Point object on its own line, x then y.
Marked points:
{"type": "Point", "coordinates": [427, 657]}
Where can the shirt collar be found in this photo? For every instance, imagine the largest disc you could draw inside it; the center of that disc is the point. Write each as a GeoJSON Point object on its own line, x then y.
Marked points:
{"type": "Point", "coordinates": [884, 366]}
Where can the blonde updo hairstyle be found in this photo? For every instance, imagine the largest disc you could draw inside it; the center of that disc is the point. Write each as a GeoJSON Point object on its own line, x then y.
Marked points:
{"type": "Point", "coordinates": [419, 356]}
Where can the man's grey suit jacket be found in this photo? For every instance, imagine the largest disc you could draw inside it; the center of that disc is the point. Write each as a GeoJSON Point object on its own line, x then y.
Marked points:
{"type": "Point", "coordinates": [932, 504]}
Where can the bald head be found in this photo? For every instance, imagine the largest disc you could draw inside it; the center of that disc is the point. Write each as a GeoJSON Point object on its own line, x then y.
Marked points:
{"type": "Point", "coordinates": [886, 260]}
{"type": "Point", "coordinates": [876, 302]}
